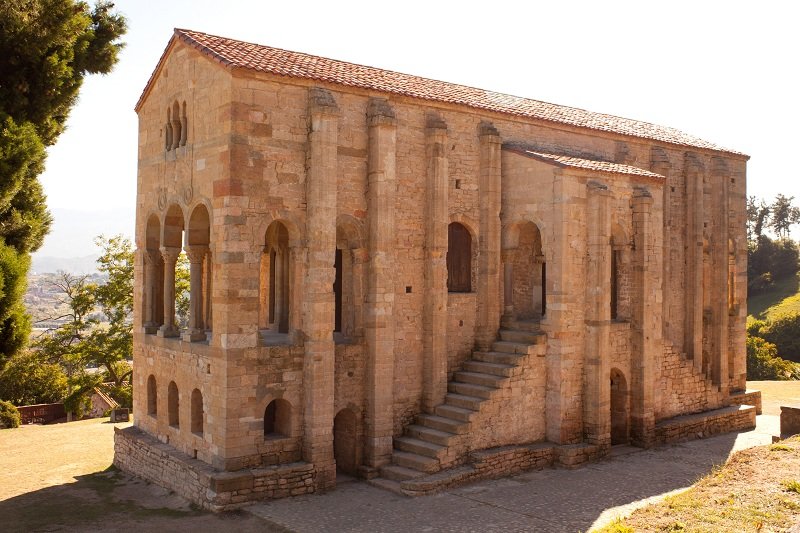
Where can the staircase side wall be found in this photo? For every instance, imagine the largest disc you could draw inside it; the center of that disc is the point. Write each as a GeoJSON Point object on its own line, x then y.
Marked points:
{"type": "Point", "coordinates": [516, 412]}
{"type": "Point", "coordinates": [683, 390]}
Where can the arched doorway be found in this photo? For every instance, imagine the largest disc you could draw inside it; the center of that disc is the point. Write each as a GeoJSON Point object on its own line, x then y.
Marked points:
{"type": "Point", "coordinates": [344, 442]}
{"type": "Point", "coordinates": [525, 274]}
{"type": "Point", "coordinates": [619, 408]}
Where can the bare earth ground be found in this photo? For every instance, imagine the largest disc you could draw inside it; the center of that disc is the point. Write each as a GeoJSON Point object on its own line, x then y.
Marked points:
{"type": "Point", "coordinates": [57, 478]}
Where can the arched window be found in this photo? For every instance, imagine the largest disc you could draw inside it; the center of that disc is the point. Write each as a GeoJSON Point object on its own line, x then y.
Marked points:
{"type": "Point", "coordinates": [152, 396]}
{"type": "Point", "coordinates": [275, 275]}
{"type": "Point", "coordinates": [277, 419]}
{"type": "Point", "coordinates": [172, 404]}
{"type": "Point", "coordinates": [168, 131]}
{"type": "Point", "coordinates": [177, 135]}
{"type": "Point", "coordinates": [459, 258]}
{"type": "Point", "coordinates": [197, 412]}
{"type": "Point", "coordinates": [184, 128]}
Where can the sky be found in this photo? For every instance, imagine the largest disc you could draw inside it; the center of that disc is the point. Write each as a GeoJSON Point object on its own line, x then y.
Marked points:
{"type": "Point", "coordinates": [723, 71]}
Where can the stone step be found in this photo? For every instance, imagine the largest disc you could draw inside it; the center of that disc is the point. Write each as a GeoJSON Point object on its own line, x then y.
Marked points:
{"type": "Point", "coordinates": [515, 335]}
{"type": "Point", "coordinates": [415, 461]}
{"type": "Point", "coordinates": [420, 447]}
{"type": "Point", "coordinates": [498, 357]}
{"type": "Point", "coordinates": [400, 473]}
{"type": "Point", "coordinates": [534, 326]}
{"type": "Point", "coordinates": [387, 484]}
{"type": "Point", "coordinates": [478, 378]}
{"type": "Point", "coordinates": [510, 347]}
{"type": "Point", "coordinates": [442, 438]}
{"type": "Point", "coordinates": [456, 413]}
{"type": "Point", "coordinates": [462, 400]}
{"type": "Point", "coordinates": [470, 389]}
{"type": "Point", "coordinates": [485, 367]}
{"type": "Point", "coordinates": [442, 423]}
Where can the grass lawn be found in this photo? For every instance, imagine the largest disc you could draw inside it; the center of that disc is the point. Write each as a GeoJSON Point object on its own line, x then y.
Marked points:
{"type": "Point", "coordinates": [783, 297]}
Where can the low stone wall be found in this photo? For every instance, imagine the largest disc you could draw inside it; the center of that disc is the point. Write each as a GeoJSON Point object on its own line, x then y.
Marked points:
{"type": "Point", "coordinates": [790, 420]}
{"type": "Point", "coordinates": [485, 464]}
{"type": "Point", "coordinates": [140, 454]}
{"type": "Point", "coordinates": [701, 425]}
{"type": "Point", "coordinates": [748, 397]}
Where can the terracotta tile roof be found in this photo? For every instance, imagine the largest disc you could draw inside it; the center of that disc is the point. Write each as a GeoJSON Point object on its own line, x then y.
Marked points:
{"type": "Point", "coordinates": [586, 164]}
{"type": "Point", "coordinates": [240, 54]}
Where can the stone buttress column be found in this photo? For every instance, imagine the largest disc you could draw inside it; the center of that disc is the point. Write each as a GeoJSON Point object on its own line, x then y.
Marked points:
{"type": "Point", "coordinates": [436, 235]}
{"type": "Point", "coordinates": [379, 319]}
{"type": "Point", "coordinates": [660, 164]}
{"type": "Point", "coordinates": [720, 177]}
{"type": "Point", "coordinates": [318, 301]}
{"type": "Point", "coordinates": [693, 331]}
{"type": "Point", "coordinates": [646, 325]}
{"type": "Point", "coordinates": [196, 330]}
{"type": "Point", "coordinates": [737, 236]}
{"type": "Point", "coordinates": [565, 314]}
{"type": "Point", "coordinates": [597, 390]}
{"type": "Point", "coordinates": [489, 256]}
{"type": "Point", "coordinates": [170, 255]}
{"type": "Point", "coordinates": [151, 258]}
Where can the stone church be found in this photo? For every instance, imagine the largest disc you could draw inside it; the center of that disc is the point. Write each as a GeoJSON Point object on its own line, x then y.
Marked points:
{"type": "Point", "coordinates": [416, 282]}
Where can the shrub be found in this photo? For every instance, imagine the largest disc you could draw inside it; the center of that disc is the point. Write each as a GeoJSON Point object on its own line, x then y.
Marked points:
{"type": "Point", "coordinates": [763, 362]}
{"type": "Point", "coordinates": [9, 415]}
{"type": "Point", "coordinates": [784, 332]}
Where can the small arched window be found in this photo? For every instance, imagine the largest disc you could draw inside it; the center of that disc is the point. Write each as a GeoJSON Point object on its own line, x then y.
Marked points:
{"type": "Point", "coordinates": [197, 412]}
{"type": "Point", "coordinates": [177, 134]}
{"type": "Point", "coordinates": [277, 419]}
{"type": "Point", "coordinates": [152, 396]}
{"type": "Point", "coordinates": [172, 405]}
{"type": "Point", "coordinates": [459, 258]}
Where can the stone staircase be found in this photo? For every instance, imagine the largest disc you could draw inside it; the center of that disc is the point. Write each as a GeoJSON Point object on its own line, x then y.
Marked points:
{"type": "Point", "coordinates": [440, 439]}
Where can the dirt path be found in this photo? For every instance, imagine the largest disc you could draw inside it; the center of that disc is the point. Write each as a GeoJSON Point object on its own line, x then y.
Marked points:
{"type": "Point", "coordinates": [776, 393]}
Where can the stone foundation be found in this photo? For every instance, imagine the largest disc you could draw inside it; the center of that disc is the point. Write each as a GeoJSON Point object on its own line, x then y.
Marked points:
{"type": "Point", "coordinates": [748, 397]}
{"type": "Point", "coordinates": [140, 454]}
{"type": "Point", "coordinates": [707, 424]}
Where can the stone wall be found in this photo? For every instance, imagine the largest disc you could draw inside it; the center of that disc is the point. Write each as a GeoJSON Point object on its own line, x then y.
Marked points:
{"type": "Point", "coordinates": [137, 453]}
{"type": "Point", "coordinates": [680, 388]}
{"type": "Point", "coordinates": [748, 397]}
{"type": "Point", "coordinates": [707, 424]}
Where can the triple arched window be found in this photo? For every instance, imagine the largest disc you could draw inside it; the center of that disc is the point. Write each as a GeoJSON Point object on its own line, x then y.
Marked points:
{"type": "Point", "coordinates": [175, 128]}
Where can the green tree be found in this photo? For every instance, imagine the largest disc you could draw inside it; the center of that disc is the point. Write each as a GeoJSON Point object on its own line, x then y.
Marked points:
{"type": "Point", "coordinates": [47, 47]}
{"type": "Point", "coordinates": [182, 285]}
{"type": "Point", "coordinates": [28, 378]}
{"type": "Point", "coordinates": [784, 215]}
{"type": "Point", "coordinates": [757, 217]}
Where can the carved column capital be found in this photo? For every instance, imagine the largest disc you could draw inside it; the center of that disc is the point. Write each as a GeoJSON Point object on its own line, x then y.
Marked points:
{"type": "Point", "coordinates": [170, 253]}
{"type": "Point", "coordinates": [196, 253]}
{"type": "Point", "coordinates": [380, 113]}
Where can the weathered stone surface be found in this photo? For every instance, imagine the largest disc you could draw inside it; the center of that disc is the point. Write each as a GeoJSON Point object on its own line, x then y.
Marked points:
{"type": "Point", "coordinates": [367, 266]}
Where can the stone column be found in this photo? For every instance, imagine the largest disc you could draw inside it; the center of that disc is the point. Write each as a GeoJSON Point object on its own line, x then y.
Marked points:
{"type": "Point", "coordinates": [195, 330]}
{"type": "Point", "coordinates": [279, 319]}
{"type": "Point", "coordinates": [565, 310]}
{"type": "Point", "coordinates": [208, 277]}
{"type": "Point", "coordinates": [318, 304]}
{"type": "Point", "coordinates": [720, 178]}
{"type": "Point", "coordinates": [489, 285]}
{"type": "Point", "coordinates": [170, 255]}
{"type": "Point", "coordinates": [379, 319]}
{"type": "Point", "coordinates": [646, 317]}
{"type": "Point", "coordinates": [151, 258]}
{"type": "Point", "coordinates": [597, 391]}
{"type": "Point", "coordinates": [436, 235]}
{"type": "Point", "coordinates": [507, 256]}
{"type": "Point", "coordinates": [693, 331]}
{"type": "Point", "coordinates": [660, 164]}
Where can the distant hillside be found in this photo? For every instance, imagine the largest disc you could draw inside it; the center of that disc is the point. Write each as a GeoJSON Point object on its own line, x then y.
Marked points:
{"type": "Point", "coordinates": [74, 265]}
{"type": "Point", "coordinates": [782, 297]}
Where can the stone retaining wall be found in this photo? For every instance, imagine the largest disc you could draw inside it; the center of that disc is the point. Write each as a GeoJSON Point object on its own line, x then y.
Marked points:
{"type": "Point", "coordinates": [790, 420]}
{"type": "Point", "coordinates": [485, 464]}
{"type": "Point", "coordinates": [140, 454]}
{"type": "Point", "coordinates": [690, 427]}
{"type": "Point", "coordinates": [749, 397]}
